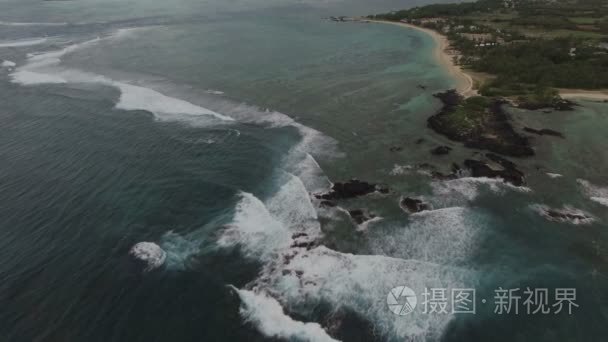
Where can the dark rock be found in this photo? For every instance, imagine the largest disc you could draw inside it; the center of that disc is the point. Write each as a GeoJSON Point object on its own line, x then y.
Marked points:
{"type": "Point", "coordinates": [544, 131]}
{"type": "Point", "coordinates": [566, 215]}
{"type": "Point", "coordinates": [395, 148]}
{"type": "Point", "coordinates": [303, 244]}
{"type": "Point", "coordinates": [413, 205]}
{"type": "Point", "coordinates": [441, 150]}
{"type": "Point", "coordinates": [382, 188]}
{"type": "Point", "coordinates": [351, 189]}
{"type": "Point", "coordinates": [328, 204]}
{"type": "Point", "coordinates": [360, 215]}
{"type": "Point", "coordinates": [298, 235]}
{"type": "Point", "coordinates": [495, 133]}
{"type": "Point", "coordinates": [421, 86]}
{"type": "Point", "coordinates": [345, 324]}
{"type": "Point", "coordinates": [508, 171]}
{"type": "Point", "coordinates": [442, 176]}
{"type": "Point", "coordinates": [426, 167]}
{"type": "Point", "coordinates": [556, 104]}
{"type": "Point", "coordinates": [419, 141]}
{"type": "Point", "coordinates": [507, 164]}
{"type": "Point", "coordinates": [450, 98]}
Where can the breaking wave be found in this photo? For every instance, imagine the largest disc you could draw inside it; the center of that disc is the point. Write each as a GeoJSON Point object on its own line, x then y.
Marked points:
{"type": "Point", "coordinates": [283, 232]}
{"type": "Point", "coordinates": [45, 68]}
{"type": "Point", "coordinates": [468, 188]}
{"type": "Point", "coordinates": [10, 23]}
{"type": "Point", "coordinates": [595, 192]}
{"type": "Point", "coordinates": [268, 316]}
{"type": "Point", "coordinates": [22, 42]}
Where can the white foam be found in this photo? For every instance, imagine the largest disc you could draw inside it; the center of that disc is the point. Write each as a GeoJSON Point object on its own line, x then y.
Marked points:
{"type": "Point", "coordinates": [27, 78]}
{"type": "Point", "coordinates": [580, 217]}
{"type": "Point", "coordinates": [291, 205]}
{"type": "Point", "coordinates": [361, 283]}
{"type": "Point", "coordinates": [596, 193]}
{"type": "Point", "coordinates": [313, 141]}
{"type": "Point", "coordinates": [215, 92]}
{"type": "Point", "coordinates": [43, 68]}
{"type": "Point", "coordinates": [468, 187]}
{"type": "Point", "coordinates": [150, 253]}
{"type": "Point", "coordinates": [365, 225]}
{"type": "Point", "coordinates": [268, 316]}
{"type": "Point", "coordinates": [10, 23]}
{"type": "Point", "coordinates": [445, 236]}
{"type": "Point", "coordinates": [179, 249]}
{"type": "Point", "coordinates": [554, 175]}
{"type": "Point", "coordinates": [310, 173]}
{"type": "Point", "coordinates": [399, 170]}
{"type": "Point", "coordinates": [601, 200]}
{"type": "Point", "coordinates": [8, 64]}
{"type": "Point", "coordinates": [140, 98]}
{"type": "Point", "coordinates": [305, 277]}
{"type": "Point", "coordinates": [255, 230]}
{"type": "Point", "coordinates": [22, 42]}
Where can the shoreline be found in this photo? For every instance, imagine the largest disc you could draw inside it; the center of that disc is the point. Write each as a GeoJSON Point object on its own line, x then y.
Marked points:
{"type": "Point", "coordinates": [598, 95]}
{"type": "Point", "coordinates": [464, 81]}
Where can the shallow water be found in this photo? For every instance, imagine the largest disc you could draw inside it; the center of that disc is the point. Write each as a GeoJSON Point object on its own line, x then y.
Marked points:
{"type": "Point", "coordinates": [205, 126]}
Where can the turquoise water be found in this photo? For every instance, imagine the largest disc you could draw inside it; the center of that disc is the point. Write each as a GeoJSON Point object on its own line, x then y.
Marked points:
{"type": "Point", "coordinates": [205, 126]}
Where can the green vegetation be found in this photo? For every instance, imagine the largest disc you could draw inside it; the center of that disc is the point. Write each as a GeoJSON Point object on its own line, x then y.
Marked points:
{"type": "Point", "coordinates": [470, 115]}
{"type": "Point", "coordinates": [530, 46]}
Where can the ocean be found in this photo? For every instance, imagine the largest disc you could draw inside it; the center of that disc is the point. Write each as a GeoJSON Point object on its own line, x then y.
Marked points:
{"type": "Point", "coordinates": [206, 128]}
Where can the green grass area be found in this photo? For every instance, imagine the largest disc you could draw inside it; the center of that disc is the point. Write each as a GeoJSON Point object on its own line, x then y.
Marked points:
{"type": "Point", "coordinates": [542, 33]}
{"type": "Point", "coordinates": [470, 115]}
{"type": "Point", "coordinates": [583, 20]}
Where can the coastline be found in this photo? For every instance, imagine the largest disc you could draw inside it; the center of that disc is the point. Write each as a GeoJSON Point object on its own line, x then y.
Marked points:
{"type": "Point", "coordinates": [598, 95]}
{"type": "Point", "coordinates": [464, 81]}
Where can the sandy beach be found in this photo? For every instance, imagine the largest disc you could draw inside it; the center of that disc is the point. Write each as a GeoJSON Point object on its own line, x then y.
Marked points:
{"type": "Point", "coordinates": [599, 95]}
{"type": "Point", "coordinates": [464, 81]}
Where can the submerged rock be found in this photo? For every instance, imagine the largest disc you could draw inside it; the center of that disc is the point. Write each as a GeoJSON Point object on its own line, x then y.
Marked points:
{"type": "Point", "coordinates": [149, 254]}
{"type": "Point", "coordinates": [441, 150]}
{"type": "Point", "coordinates": [565, 215]}
{"type": "Point", "coordinates": [413, 205]}
{"type": "Point", "coordinates": [360, 216]}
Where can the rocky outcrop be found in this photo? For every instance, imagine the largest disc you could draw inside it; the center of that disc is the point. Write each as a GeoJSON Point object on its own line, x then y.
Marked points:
{"type": "Point", "coordinates": [565, 215]}
{"type": "Point", "coordinates": [351, 189]}
{"type": "Point", "coordinates": [328, 204]}
{"type": "Point", "coordinates": [544, 131]}
{"type": "Point", "coordinates": [496, 167]}
{"type": "Point", "coordinates": [556, 104]}
{"type": "Point", "coordinates": [413, 205]}
{"type": "Point", "coordinates": [494, 132]}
